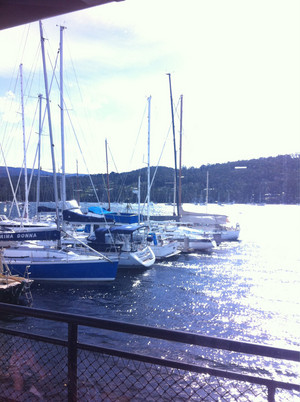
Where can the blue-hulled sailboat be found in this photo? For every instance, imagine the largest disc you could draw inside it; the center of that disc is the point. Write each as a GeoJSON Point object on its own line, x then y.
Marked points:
{"type": "Point", "coordinates": [53, 263]}
{"type": "Point", "coordinates": [58, 265]}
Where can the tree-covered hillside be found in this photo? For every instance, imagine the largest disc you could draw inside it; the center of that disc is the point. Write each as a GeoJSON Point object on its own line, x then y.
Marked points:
{"type": "Point", "coordinates": [269, 180]}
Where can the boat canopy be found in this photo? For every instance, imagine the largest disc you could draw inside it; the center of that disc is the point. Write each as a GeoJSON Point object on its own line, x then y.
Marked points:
{"type": "Point", "coordinates": [114, 230]}
{"type": "Point", "coordinates": [71, 216]}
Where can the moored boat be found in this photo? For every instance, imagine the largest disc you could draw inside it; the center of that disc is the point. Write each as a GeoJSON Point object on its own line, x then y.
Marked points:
{"type": "Point", "coordinates": [189, 239]}
{"type": "Point", "coordinates": [127, 242]}
{"type": "Point", "coordinates": [163, 248]}
{"type": "Point", "coordinates": [62, 265]}
{"type": "Point", "coordinates": [217, 225]}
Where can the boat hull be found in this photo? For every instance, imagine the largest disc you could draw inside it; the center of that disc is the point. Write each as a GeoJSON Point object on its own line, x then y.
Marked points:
{"type": "Point", "coordinates": [165, 251]}
{"type": "Point", "coordinates": [67, 271]}
{"type": "Point", "coordinates": [143, 259]}
{"type": "Point", "coordinates": [230, 235]}
{"type": "Point", "coordinates": [196, 245]}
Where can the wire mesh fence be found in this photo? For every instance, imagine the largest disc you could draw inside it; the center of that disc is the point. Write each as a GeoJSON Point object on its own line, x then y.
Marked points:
{"type": "Point", "coordinates": [39, 368]}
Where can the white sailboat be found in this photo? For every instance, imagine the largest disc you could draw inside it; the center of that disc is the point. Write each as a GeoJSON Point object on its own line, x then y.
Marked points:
{"type": "Point", "coordinates": [161, 246]}
{"type": "Point", "coordinates": [212, 225]}
{"type": "Point", "coordinates": [189, 239]}
{"type": "Point", "coordinates": [126, 251]}
{"type": "Point", "coordinates": [126, 242]}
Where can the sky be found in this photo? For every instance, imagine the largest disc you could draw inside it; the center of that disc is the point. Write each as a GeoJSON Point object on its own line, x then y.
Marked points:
{"type": "Point", "coordinates": [236, 64]}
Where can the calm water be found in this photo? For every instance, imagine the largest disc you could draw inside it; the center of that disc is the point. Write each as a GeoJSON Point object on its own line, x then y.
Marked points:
{"type": "Point", "coordinates": [247, 290]}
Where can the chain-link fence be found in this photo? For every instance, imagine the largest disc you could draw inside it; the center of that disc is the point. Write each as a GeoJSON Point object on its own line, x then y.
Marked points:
{"type": "Point", "coordinates": [39, 368]}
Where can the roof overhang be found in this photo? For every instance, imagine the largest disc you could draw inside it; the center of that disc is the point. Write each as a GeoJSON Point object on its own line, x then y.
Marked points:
{"type": "Point", "coordinates": [18, 12]}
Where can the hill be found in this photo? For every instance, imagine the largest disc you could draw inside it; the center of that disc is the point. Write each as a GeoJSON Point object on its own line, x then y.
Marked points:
{"type": "Point", "coordinates": [269, 180]}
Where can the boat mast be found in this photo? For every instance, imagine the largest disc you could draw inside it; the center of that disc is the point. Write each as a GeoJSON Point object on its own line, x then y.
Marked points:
{"type": "Point", "coordinates": [207, 179]}
{"type": "Point", "coordinates": [180, 152]}
{"type": "Point", "coordinates": [107, 176]}
{"type": "Point", "coordinates": [38, 186]}
{"type": "Point", "coordinates": [139, 199]}
{"type": "Point", "coordinates": [174, 143]}
{"type": "Point", "coordinates": [24, 144]}
{"type": "Point", "coordinates": [148, 168]}
{"type": "Point", "coordinates": [50, 124]}
{"type": "Point", "coordinates": [63, 167]}
{"type": "Point", "coordinates": [77, 184]}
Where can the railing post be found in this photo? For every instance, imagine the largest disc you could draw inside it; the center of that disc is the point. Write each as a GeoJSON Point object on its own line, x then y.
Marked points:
{"type": "Point", "coordinates": [271, 394]}
{"type": "Point", "coordinates": [72, 362]}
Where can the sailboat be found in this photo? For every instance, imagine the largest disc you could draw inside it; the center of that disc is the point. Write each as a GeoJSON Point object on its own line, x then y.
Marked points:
{"type": "Point", "coordinates": [188, 239]}
{"type": "Point", "coordinates": [52, 263]}
{"type": "Point", "coordinates": [20, 229]}
{"type": "Point", "coordinates": [162, 247]}
{"type": "Point", "coordinates": [115, 235]}
{"type": "Point", "coordinates": [216, 225]}
{"type": "Point", "coordinates": [126, 242]}
{"type": "Point", "coordinates": [212, 225]}
{"type": "Point", "coordinates": [168, 233]}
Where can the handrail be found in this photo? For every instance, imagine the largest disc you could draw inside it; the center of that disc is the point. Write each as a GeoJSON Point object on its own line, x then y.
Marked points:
{"type": "Point", "coordinates": [152, 332]}
{"type": "Point", "coordinates": [73, 346]}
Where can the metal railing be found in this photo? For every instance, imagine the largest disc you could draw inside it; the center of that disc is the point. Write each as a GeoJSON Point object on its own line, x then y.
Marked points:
{"type": "Point", "coordinates": [57, 369]}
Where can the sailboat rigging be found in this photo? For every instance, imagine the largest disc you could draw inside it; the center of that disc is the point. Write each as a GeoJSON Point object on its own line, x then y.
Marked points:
{"type": "Point", "coordinates": [174, 144]}
{"type": "Point", "coordinates": [49, 263]}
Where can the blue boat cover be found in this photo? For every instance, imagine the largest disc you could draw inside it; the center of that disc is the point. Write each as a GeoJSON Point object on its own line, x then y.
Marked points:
{"type": "Point", "coordinates": [120, 217]}
{"type": "Point", "coordinates": [99, 210]}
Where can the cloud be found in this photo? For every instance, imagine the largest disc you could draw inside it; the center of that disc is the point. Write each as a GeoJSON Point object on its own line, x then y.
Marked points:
{"type": "Point", "coordinates": [236, 63]}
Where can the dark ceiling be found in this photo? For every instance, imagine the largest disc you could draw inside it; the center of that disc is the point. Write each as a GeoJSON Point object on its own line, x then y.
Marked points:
{"type": "Point", "coordinates": [18, 12]}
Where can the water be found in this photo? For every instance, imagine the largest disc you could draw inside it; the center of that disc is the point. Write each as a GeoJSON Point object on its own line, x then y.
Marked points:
{"type": "Point", "coordinates": [246, 290]}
